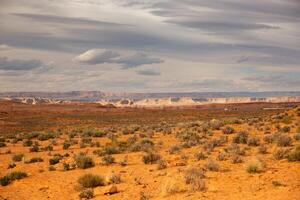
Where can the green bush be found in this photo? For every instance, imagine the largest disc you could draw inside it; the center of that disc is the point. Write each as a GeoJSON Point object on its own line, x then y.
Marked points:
{"type": "Point", "coordinates": [108, 159]}
{"type": "Point", "coordinates": [294, 155]}
{"type": "Point", "coordinates": [54, 160]}
{"type": "Point", "coordinates": [86, 194]}
{"type": "Point", "coordinates": [241, 137]}
{"type": "Point", "coordinates": [83, 161]}
{"type": "Point", "coordinates": [151, 158]}
{"type": "Point", "coordinates": [7, 179]}
{"type": "Point", "coordinates": [35, 159]}
{"type": "Point", "coordinates": [91, 181]}
{"type": "Point", "coordinates": [18, 157]}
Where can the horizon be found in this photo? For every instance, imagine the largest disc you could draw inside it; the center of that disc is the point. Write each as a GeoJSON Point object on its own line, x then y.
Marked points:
{"type": "Point", "coordinates": [149, 46]}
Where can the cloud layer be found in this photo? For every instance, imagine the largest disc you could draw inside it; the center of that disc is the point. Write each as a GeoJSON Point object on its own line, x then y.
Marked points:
{"type": "Point", "coordinates": [150, 45]}
{"type": "Point", "coordinates": [100, 56]}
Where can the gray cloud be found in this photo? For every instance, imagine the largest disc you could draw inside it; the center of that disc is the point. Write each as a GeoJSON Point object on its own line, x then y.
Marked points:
{"type": "Point", "coordinates": [15, 64]}
{"type": "Point", "coordinates": [279, 81]}
{"type": "Point", "coordinates": [65, 20]}
{"type": "Point", "coordinates": [148, 72]}
{"type": "Point", "coordinates": [100, 56]}
{"type": "Point", "coordinates": [221, 26]}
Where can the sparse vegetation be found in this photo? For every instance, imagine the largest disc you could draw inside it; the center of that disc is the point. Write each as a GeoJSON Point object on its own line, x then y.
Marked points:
{"type": "Point", "coordinates": [91, 181]}
{"type": "Point", "coordinates": [7, 179]}
{"type": "Point", "coordinates": [83, 161]}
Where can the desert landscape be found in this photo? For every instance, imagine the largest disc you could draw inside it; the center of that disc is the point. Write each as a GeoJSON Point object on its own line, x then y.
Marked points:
{"type": "Point", "coordinates": [149, 100]}
{"type": "Point", "coordinates": [86, 150]}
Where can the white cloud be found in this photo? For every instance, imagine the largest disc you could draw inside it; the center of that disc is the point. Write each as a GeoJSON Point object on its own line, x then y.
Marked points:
{"type": "Point", "coordinates": [100, 56]}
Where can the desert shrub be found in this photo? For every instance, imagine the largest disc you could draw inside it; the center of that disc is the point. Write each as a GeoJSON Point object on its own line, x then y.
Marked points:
{"type": "Point", "coordinates": [285, 129]}
{"type": "Point", "coordinates": [215, 124]}
{"type": "Point", "coordinates": [235, 158]}
{"type": "Point", "coordinates": [86, 194]}
{"type": "Point", "coordinates": [83, 161]}
{"type": "Point", "coordinates": [234, 149]}
{"type": "Point", "coordinates": [221, 156]}
{"type": "Point", "coordinates": [34, 148]}
{"type": "Point", "coordinates": [212, 165]}
{"type": "Point", "coordinates": [280, 153]}
{"type": "Point", "coordinates": [253, 141]}
{"type": "Point", "coordinates": [66, 144]}
{"type": "Point", "coordinates": [35, 159]}
{"type": "Point", "coordinates": [114, 178]}
{"type": "Point", "coordinates": [200, 155]}
{"type": "Point", "coordinates": [108, 159]}
{"type": "Point", "coordinates": [27, 143]}
{"type": "Point", "coordinates": [294, 155]}
{"type": "Point", "coordinates": [2, 144]}
{"type": "Point", "coordinates": [151, 158]}
{"type": "Point", "coordinates": [11, 165]}
{"type": "Point", "coordinates": [48, 148]}
{"type": "Point", "coordinates": [124, 161]}
{"type": "Point", "coordinates": [269, 139]}
{"type": "Point", "coordinates": [7, 179]}
{"type": "Point", "coordinates": [108, 150]}
{"type": "Point", "coordinates": [54, 160]}
{"type": "Point", "coordinates": [190, 138]}
{"type": "Point", "coordinates": [174, 149]}
{"type": "Point", "coordinates": [284, 140]}
{"type": "Point", "coordinates": [161, 164]}
{"type": "Point", "coordinates": [99, 134]}
{"type": "Point", "coordinates": [18, 157]}
{"type": "Point", "coordinates": [286, 119]}
{"type": "Point", "coordinates": [241, 137]}
{"type": "Point", "coordinates": [170, 187]}
{"type": "Point", "coordinates": [51, 168]}
{"type": "Point", "coordinates": [254, 166]}
{"type": "Point", "coordinates": [91, 181]}
{"type": "Point", "coordinates": [195, 177]}
{"type": "Point", "coordinates": [228, 130]}
{"type": "Point", "coordinates": [262, 149]}
{"type": "Point", "coordinates": [297, 136]}
{"type": "Point", "coordinates": [46, 136]}
{"type": "Point", "coordinates": [192, 173]}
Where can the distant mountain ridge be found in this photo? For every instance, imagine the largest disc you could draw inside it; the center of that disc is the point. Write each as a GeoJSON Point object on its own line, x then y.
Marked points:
{"type": "Point", "coordinates": [91, 96]}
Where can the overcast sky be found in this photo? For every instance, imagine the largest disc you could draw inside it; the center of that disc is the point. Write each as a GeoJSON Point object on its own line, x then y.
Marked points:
{"type": "Point", "coordinates": [150, 45]}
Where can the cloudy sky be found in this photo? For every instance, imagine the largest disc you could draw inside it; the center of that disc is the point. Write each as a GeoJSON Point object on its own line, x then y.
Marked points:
{"type": "Point", "coordinates": [150, 45]}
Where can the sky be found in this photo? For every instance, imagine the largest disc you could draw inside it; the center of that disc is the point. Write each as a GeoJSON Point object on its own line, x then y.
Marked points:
{"type": "Point", "coordinates": [150, 45]}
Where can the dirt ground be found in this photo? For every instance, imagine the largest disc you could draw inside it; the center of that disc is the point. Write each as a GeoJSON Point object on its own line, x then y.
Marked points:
{"type": "Point", "coordinates": [279, 179]}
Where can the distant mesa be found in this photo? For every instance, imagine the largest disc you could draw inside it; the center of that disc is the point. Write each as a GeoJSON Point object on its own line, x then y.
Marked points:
{"type": "Point", "coordinates": [148, 100]}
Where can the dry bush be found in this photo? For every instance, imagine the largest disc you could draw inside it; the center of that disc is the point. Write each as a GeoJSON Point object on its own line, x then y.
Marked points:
{"type": "Point", "coordinates": [113, 178]}
{"type": "Point", "coordinates": [7, 179]}
{"type": "Point", "coordinates": [262, 149]}
{"type": "Point", "coordinates": [195, 177]}
{"type": "Point", "coordinates": [228, 130]}
{"type": "Point", "coordinates": [171, 186]}
{"type": "Point", "coordinates": [294, 155]}
{"type": "Point", "coordinates": [174, 149]}
{"type": "Point", "coordinates": [200, 155]}
{"type": "Point", "coordinates": [253, 141]}
{"type": "Point", "coordinates": [151, 158]}
{"type": "Point", "coordinates": [86, 194]}
{"type": "Point", "coordinates": [161, 164]}
{"type": "Point", "coordinates": [83, 161]}
{"type": "Point", "coordinates": [18, 157]}
{"type": "Point", "coordinates": [221, 156]}
{"type": "Point", "coordinates": [108, 159]}
{"type": "Point", "coordinates": [241, 137]}
{"type": "Point", "coordinates": [255, 166]}
{"type": "Point", "coordinates": [91, 181]}
{"type": "Point", "coordinates": [235, 158]}
{"type": "Point", "coordinates": [280, 153]}
{"type": "Point", "coordinates": [212, 165]}
{"type": "Point", "coordinates": [297, 136]}
{"type": "Point", "coordinates": [284, 140]}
